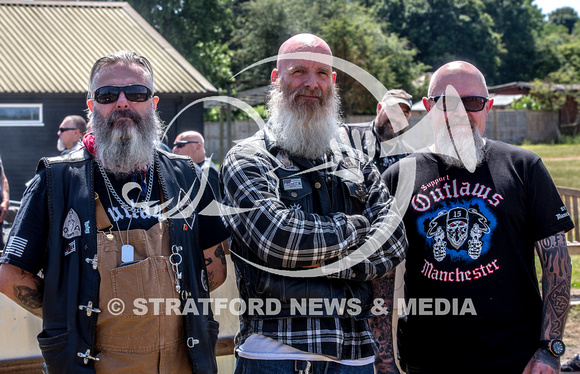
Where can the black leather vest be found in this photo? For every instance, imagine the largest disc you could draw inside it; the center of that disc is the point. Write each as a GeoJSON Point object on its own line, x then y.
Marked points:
{"type": "Point", "coordinates": [71, 282]}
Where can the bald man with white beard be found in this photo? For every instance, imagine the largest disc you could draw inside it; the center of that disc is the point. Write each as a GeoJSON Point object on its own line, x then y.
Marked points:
{"type": "Point", "coordinates": [478, 209]}
{"type": "Point", "coordinates": [305, 202]}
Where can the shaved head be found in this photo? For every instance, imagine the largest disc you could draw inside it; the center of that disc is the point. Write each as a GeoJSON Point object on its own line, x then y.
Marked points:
{"type": "Point", "coordinates": [463, 76]}
{"type": "Point", "coordinates": [302, 43]}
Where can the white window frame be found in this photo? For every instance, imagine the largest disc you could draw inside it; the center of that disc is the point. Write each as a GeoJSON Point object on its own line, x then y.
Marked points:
{"type": "Point", "coordinates": [12, 123]}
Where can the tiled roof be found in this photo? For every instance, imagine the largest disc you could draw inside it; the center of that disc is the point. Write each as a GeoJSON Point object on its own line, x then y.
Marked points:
{"type": "Point", "coordinates": [50, 47]}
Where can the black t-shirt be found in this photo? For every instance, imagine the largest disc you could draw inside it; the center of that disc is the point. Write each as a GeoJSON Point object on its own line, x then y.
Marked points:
{"type": "Point", "coordinates": [472, 294]}
{"type": "Point", "coordinates": [28, 238]}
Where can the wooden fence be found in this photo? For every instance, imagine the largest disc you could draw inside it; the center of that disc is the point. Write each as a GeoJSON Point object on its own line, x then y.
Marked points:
{"type": "Point", "coordinates": [571, 198]}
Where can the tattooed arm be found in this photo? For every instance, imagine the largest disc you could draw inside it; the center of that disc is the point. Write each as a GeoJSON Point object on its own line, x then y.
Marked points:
{"type": "Point", "coordinates": [556, 278]}
{"type": "Point", "coordinates": [215, 264]}
{"type": "Point", "coordinates": [22, 287]}
{"type": "Point", "coordinates": [382, 325]}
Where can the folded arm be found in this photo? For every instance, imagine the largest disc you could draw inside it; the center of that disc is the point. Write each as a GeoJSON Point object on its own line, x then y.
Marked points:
{"type": "Point", "coordinates": [282, 237]}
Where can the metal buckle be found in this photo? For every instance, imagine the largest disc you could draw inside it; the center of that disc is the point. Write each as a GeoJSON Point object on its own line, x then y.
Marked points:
{"type": "Point", "coordinates": [89, 308]}
{"type": "Point", "coordinates": [92, 261]}
{"type": "Point", "coordinates": [87, 356]}
{"type": "Point", "coordinates": [191, 342]}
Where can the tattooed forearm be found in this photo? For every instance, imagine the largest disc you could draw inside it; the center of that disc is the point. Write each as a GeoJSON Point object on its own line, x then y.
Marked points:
{"type": "Point", "coordinates": [556, 279]}
{"type": "Point", "coordinates": [30, 295]}
{"type": "Point", "coordinates": [211, 280]}
{"type": "Point", "coordinates": [215, 263]}
{"type": "Point", "coordinates": [382, 325]}
{"type": "Point", "coordinates": [221, 254]}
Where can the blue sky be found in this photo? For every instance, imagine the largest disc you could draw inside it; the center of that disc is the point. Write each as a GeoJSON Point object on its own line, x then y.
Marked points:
{"type": "Point", "coordinates": [548, 6]}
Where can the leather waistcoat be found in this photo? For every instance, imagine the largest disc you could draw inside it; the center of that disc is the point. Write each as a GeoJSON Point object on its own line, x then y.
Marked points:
{"type": "Point", "coordinates": [72, 281]}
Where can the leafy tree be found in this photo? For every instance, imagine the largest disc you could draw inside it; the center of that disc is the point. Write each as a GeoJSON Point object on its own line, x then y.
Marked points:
{"type": "Point", "coordinates": [198, 29]}
{"type": "Point", "coordinates": [352, 33]}
{"type": "Point", "coordinates": [565, 16]}
{"type": "Point", "coordinates": [445, 30]}
{"type": "Point", "coordinates": [518, 22]}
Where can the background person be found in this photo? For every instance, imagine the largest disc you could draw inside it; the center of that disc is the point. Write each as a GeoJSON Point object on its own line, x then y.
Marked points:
{"type": "Point", "coordinates": [192, 144]}
{"type": "Point", "coordinates": [478, 209]}
{"type": "Point", "coordinates": [70, 134]}
{"type": "Point", "coordinates": [298, 213]}
{"type": "Point", "coordinates": [381, 129]}
{"type": "Point", "coordinates": [371, 138]}
{"type": "Point", "coordinates": [98, 251]}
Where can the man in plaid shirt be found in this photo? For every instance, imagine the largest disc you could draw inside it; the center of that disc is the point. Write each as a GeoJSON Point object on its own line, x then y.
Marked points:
{"type": "Point", "coordinates": [312, 225]}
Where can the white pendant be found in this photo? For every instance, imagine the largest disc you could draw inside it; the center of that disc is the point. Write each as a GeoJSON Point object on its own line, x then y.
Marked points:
{"type": "Point", "coordinates": [127, 253]}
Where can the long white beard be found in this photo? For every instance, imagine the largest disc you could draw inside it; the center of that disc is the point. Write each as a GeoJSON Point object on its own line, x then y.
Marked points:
{"type": "Point", "coordinates": [60, 145]}
{"type": "Point", "coordinates": [304, 128]}
{"type": "Point", "coordinates": [125, 145]}
{"type": "Point", "coordinates": [471, 151]}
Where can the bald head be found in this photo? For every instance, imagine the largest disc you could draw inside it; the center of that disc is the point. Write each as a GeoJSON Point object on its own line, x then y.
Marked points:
{"type": "Point", "coordinates": [190, 143]}
{"type": "Point", "coordinates": [303, 43]}
{"type": "Point", "coordinates": [463, 76]}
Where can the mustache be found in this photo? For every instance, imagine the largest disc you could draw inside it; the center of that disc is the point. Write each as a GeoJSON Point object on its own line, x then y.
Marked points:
{"type": "Point", "coordinates": [123, 113]}
{"type": "Point", "coordinates": [317, 92]}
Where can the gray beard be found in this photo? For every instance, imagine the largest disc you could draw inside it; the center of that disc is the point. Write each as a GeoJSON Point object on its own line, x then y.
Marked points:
{"type": "Point", "coordinates": [448, 148]}
{"type": "Point", "coordinates": [124, 146]}
{"type": "Point", "coordinates": [303, 129]}
{"type": "Point", "coordinates": [60, 145]}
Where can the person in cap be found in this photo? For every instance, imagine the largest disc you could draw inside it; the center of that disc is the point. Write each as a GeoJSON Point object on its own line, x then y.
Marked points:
{"type": "Point", "coordinates": [393, 114]}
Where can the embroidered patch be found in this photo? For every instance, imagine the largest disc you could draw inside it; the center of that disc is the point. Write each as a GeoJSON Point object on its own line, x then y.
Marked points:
{"type": "Point", "coordinates": [72, 247]}
{"type": "Point", "coordinates": [72, 225]}
{"type": "Point", "coordinates": [292, 184]}
{"type": "Point", "coordinates": [87, 227]}
{"type": "Point", "coordinates": [16, 246]}
{"type": "Point", "coordinates": [204, 281]}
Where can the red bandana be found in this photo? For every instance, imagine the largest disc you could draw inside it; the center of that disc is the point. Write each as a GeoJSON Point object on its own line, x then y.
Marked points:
{"type": "Point", "coordinates": [89, 142]}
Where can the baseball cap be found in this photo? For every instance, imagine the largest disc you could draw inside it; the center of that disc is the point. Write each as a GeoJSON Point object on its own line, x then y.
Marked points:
{"type": "Point", "coordinates": [393, 97]}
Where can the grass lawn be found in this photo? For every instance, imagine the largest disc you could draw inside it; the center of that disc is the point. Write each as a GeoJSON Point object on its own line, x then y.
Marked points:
{"type": "Point", "coordinates": [562, 161]}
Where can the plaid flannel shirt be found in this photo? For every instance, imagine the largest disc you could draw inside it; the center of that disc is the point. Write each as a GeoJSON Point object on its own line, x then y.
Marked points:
{"type": "Point", "coordinates": [286, 238]}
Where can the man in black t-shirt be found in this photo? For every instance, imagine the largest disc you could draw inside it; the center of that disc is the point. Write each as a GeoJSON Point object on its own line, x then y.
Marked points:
{"type": "Point", "coordinates": [476, 208]}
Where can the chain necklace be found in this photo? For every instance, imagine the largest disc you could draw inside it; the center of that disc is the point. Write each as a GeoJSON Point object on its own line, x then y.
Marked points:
{"type": "Point", "coordinates": [116, 196]}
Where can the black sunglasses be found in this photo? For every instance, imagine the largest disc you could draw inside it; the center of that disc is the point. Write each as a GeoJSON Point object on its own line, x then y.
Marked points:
{"type": "Point", "coordinates": [109, 94]}
{"type": "Point", "coordinates": [470, 103]}
{"type": "Point", "coordinates": [63, 129]}
{"type": "Point", "coordinates": [182, 143]}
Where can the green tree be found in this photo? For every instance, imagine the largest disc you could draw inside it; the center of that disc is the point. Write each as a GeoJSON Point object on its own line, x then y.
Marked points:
{"type": "Point", "coordinates": [518, 22]}
{"type": "Point", "coordinates": [352, 33]}
{"type": "Point", "coordinates": [198, 29]}
{"type": "Point", "coordinates": [565, 16]}
{"type": "Point", "coordinates": [445, 30]}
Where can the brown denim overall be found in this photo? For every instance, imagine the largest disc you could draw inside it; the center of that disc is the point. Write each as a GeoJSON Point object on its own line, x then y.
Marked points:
{"type": "Point", "coordinates": [134, 341]}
